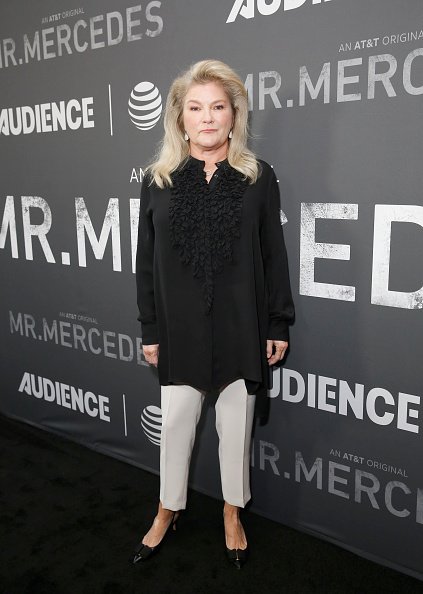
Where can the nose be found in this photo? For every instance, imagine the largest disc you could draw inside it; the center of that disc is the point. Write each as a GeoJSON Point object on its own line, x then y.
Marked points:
{"type": "Point", "coordinates": [207, 117]}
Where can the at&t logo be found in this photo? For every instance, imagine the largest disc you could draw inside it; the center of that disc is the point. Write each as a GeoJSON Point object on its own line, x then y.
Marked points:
{"type": "Point", "coordinates": [246, 8]}
{"type": "Point", "coordinates": [145, 105]}
{"type": "Point", "coordinates": [151, 423]}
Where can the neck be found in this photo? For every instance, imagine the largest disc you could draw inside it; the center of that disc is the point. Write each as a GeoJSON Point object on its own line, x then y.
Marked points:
{"type": "Point", "coordinates": [210, 156]}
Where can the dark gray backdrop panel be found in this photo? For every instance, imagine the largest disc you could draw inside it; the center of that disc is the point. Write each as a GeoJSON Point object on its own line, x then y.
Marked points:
{"type": "Point", "coordinates": [354, 481]}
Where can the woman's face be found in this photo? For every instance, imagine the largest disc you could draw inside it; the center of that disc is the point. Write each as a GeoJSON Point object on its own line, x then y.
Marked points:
{"type": "Point", "coordinates": [207, 116]}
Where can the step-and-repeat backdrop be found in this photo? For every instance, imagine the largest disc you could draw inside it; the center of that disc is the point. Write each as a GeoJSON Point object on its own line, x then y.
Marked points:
{"type": "Point", "coordinates": [335, 90]}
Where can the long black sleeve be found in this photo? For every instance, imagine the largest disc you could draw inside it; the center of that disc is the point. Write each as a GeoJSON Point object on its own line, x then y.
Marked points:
{"type": "Point", "coordinates": [144, 269]}
{"type": "Point", "coordinates": [281, 306]}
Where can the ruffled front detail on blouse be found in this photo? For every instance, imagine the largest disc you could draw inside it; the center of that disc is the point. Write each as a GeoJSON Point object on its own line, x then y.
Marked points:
{"type": "Point", "coordinates": [205, 220]}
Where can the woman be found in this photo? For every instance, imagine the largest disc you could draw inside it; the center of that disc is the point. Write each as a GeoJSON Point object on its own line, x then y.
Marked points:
{"type": "Point", "coordinates": [213, 287]}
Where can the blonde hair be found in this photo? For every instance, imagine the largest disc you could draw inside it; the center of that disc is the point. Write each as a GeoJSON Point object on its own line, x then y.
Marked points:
{"type": "Point", "coordinates": [174, 149]}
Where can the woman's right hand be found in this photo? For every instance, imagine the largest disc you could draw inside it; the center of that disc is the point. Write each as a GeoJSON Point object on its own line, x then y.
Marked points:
{"type": "Point", "coordinates": [151, 353]}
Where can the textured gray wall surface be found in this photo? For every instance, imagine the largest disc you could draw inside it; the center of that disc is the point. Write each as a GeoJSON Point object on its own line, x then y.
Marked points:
{"type": "Point", "coordinates": [335, 93]}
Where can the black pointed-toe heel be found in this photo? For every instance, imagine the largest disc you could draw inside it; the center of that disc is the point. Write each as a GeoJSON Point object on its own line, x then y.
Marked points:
{"type": "Point", "coordinates": [237, 557]}
{"type": "Point", "coordinates": [144, 552]}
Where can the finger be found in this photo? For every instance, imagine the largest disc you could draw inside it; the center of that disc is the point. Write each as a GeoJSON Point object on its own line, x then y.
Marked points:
{"type": "Point", "coordinates": [269, 348]}
{"type": "Point", "coordinates": [278, 356]}
{"type": "Point", "coordinates": [280, 352]}
{"type": "Point", "coordinates": [273, 359]}
{"type": "Point", "coordinates": [281, 348]}
{"type": "Point", "coordinates": [152, 358]}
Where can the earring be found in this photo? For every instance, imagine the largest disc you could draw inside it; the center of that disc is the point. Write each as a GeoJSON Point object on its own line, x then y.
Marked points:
{"type": "Point", "coordinates": [186, 136]}
{"type": "Point", "coordinates": [230, 134]}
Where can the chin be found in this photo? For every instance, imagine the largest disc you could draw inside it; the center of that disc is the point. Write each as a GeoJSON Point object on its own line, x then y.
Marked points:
{"type": "Point", "coordinates": [212, 144]}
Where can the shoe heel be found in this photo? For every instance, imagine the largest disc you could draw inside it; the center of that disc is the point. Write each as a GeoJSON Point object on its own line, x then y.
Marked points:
{"type": "Point", "coordinates": [174, 521]}
{"type": "Point", "coordinates": [144, 552]}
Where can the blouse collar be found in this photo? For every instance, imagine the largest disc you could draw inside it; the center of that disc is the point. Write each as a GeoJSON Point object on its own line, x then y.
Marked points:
{"type": "Point", "coordinates": [199, 165]}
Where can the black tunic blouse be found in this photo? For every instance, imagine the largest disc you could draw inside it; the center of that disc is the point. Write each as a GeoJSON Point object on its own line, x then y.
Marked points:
{"type": "Point", "coordinates": [212, 276]}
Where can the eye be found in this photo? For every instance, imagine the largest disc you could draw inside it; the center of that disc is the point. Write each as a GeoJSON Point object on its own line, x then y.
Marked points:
{"type": "Point", "coordinates": [219, 106]}
{"type": "Point", "coordinates": [194, 108]}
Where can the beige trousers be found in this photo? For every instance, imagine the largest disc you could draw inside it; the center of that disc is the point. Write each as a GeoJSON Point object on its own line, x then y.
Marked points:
{"type": "Point", "coordinates": [181, 408]}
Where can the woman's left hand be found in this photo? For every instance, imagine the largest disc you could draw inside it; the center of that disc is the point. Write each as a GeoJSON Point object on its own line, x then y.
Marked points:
{"type": "Point", "coordinates": [280, 349]}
